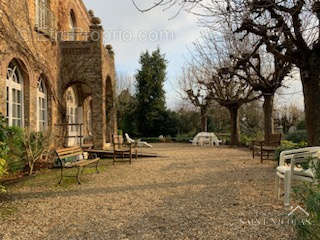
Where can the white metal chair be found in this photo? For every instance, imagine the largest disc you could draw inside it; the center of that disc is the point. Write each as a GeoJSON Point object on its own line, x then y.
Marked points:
{"type": "Point", "coordinates": [289, 169]}
{"type": "Point", "coordinates": [137, 142]}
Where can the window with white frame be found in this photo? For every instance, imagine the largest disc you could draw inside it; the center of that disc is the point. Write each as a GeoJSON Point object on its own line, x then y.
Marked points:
{"type": "Point", "coordinates": [14, 95]}
{"type": "Point", "coordinates": [45, 20]}
{"type": "Point", "coordinates": [42, 105]}
{"type": "Point", "coordinates": [41, 12]}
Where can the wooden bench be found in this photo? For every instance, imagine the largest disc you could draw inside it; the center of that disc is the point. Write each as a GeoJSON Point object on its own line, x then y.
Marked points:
{"type": "Point", "coordinates": [267, 148]}
{"type": "Point", "coordinates": [74, 157]}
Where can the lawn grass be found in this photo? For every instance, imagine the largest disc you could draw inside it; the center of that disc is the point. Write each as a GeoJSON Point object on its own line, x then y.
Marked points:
{"type": "Point", "coordinates": [48, 178]}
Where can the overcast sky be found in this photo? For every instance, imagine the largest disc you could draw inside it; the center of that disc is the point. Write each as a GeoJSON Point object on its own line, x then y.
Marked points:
{"type": "Point", "coordinates": [131, 33]}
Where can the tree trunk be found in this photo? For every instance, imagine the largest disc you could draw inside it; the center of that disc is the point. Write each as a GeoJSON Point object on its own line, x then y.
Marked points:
{"type": "Point", "coordinates": [311, 91]}
{"type": "Point", "coordinates": [204, 123]}
{"type": "Point", "coordinates": [235, 126]}
{"type": "Point", "coordinates": [268, 116]}
{"type": "Point", "coordinates": [31, 168]}
{"type": "Point", "coordinates": [204, 120]}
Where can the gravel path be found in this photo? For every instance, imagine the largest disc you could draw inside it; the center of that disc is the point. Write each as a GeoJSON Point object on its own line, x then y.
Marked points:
{"type": "Point", "coordinates": [190, 193]}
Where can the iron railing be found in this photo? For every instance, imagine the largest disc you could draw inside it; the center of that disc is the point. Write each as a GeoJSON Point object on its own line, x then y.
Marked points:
{"type": "Point", "coordinates": [74, 36]}
{"type": "Point", "coordinates": [72, 131]}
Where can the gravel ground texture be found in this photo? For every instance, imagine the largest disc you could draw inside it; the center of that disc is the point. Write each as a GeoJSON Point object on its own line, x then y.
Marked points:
{"type": "Point", "coordinates": [187, 193]}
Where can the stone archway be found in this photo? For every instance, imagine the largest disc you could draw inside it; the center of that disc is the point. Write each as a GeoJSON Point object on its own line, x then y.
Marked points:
{"type": "Point", "coordinates": [74, 114]}
{"type": "Point", "coordinates": [87, 121]}
{"type": "Point", "coordinates": [75, 95]}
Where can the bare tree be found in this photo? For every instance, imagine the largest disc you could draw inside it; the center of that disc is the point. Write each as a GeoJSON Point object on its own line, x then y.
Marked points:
{"type": "Point", "coordinates": [289, 116]}
{"type": "Point", "coordinates": [290, 31]}
{"type": "Point", "coordinates": [196, 93]}
{"type": "Point", "coordinates": [124, 82]}
{"type": "Point", "coordinates": [182, 4]}
{"type": "Point", "coordinates": [214, 58]}
{"type": "Point", "coordinates": [265, 74]}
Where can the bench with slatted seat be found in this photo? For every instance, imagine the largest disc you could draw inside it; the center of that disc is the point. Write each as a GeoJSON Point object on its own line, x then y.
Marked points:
{"type": "Point", "coordinates": [266, 148]}
{"type": "Point", "coordinates": [74, 157]}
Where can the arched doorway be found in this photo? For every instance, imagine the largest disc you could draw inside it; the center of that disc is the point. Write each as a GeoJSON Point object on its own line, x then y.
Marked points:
{"type": "Point", "coordinates": [74, 117]}
{"type": "Point", "coordinates": [87, 121]}
{"type": "Point", "coordinates": [110, 118]}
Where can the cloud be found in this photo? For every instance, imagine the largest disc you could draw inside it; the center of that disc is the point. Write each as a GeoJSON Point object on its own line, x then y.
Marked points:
{"type": "Point", "coordinates": [131, 33]}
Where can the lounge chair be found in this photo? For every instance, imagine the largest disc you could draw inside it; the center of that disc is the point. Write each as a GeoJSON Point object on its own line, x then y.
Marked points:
{"type": "Point", "coordinates": [138, 142]}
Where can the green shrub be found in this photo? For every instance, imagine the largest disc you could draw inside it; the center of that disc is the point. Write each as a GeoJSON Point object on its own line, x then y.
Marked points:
{"type": "Point", "coordinates": [11, 146]}
{"type": "Point", "coordinates": [184, 138]}
{"type": "Point", "coordinates": [246, 140]}
{"type": "Point", "coordinates": [309, 195]}
{"type": "Point", "coordinates": [4, 149]}
{"type": "Point", "coordinates": [3, 171]}
{"type": "Point", "coordinates": [15, 156]}
{"type": "Point", "coordinates": [301, 125]}
{"type": "Point", "coordinates": [3, 164]}
{"type": "Point", "coordinates": [297, 136]}
{"type": "Point", "coordinates": [287, 145]}
{"type": "Point", "coordinates": [151, 139]}
{"type": "Point", "coordinates": [34, 146]}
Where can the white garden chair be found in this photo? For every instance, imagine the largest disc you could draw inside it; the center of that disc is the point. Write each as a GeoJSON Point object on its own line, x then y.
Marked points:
{"type": "Point", "coordinates": [289, 169]}
{"type": "Point", "coordinates": [137, 142]}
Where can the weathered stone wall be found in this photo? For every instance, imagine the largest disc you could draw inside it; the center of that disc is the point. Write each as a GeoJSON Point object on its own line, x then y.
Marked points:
{"type": "Point", "coordinates": [110, 89]}
{"type": "Point", "coordinates": [84, 61]}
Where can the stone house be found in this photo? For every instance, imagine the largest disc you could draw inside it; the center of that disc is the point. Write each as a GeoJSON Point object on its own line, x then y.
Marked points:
{"type": "Point", "coordinates": [55, 72]}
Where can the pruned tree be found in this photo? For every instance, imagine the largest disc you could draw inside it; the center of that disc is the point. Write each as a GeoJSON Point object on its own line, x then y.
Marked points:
{"type": "Point", "coordinates": [214, 58]}
{"type": "Point", "coordinates": [251, 119]}
{"type": "Point", "coordinates": [266, 75]}
{"type": "Point", "coordinates": [289, 116]}
{"type": "Point", "coordinates": [290, 31]}
{"type": "Point", "coordinates": [196, 93]}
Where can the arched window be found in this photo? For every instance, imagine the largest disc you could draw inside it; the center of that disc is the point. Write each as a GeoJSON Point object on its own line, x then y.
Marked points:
{"type": "Point", "coordinates": [44, 18]}
{"type": "Point", "coordinates": [42, 105]}
{"type": "Point", "coordinates": [14, 95]}
{"type": "Point", "coordinates": [73, 26]}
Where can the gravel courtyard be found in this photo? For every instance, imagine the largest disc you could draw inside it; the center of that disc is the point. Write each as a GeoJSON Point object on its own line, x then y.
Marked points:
{"type": "Point", "coordinates": [188, 193]}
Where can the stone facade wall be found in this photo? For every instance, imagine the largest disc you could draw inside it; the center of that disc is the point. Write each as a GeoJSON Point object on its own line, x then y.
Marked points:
{"type": "Point", "coordinates": [63, 63]}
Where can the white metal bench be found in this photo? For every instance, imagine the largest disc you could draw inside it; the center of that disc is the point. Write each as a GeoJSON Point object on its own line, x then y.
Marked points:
{"type": "Point", "coordinates": [289, 169]}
